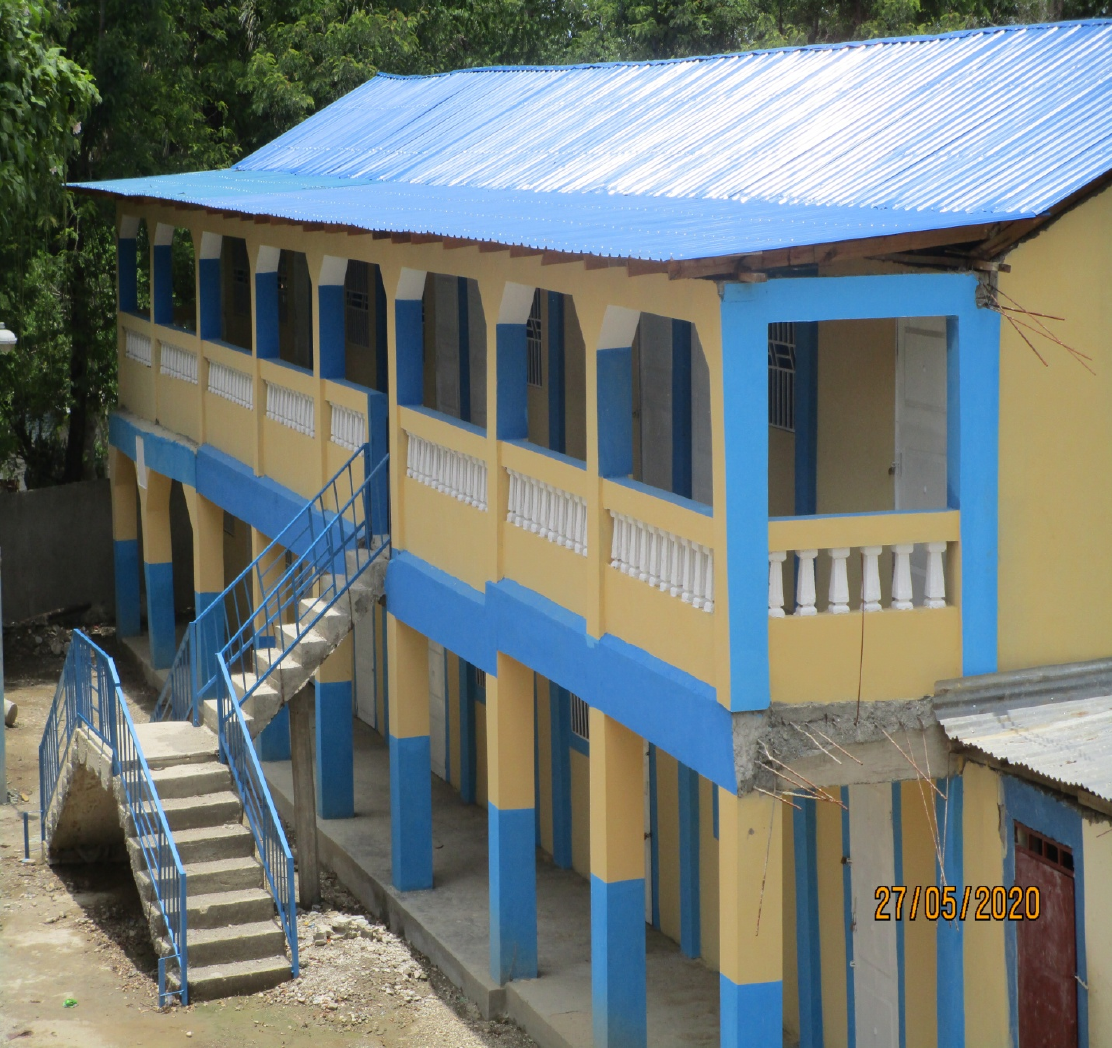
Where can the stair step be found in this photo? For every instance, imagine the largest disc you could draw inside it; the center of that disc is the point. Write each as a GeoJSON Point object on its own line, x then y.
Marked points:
{"type": "Point", "coordinates": [238, 978]}
{"type": "Point", "coordinates": [189, 780]}
{"type": "Point", "coordinates": [310, 643]}
{"type": "Point", "coordinates": [239, 942]}
{"type": "Point", "coordinates": [222, 875]}
{"type": "Point", "coordinates": [211, 809]}
{"type": "Point", "coordinates": [212, 717]}
{"type": "Point", "coordinates": [170, 743]}
{"type": "Point", "coordinates": [222, 909]}
{"type": "Point", "coordinates": [210, 843]}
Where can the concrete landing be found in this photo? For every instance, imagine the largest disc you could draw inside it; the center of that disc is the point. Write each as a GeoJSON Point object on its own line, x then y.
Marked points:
{"type": "Point", "coordinates": [175, 742]}
{"type": "Point", "coordinates": [450, 923]}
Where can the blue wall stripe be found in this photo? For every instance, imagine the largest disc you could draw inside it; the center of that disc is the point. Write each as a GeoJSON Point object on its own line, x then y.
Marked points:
{"type": "Point", "coordinates": [807, 931]}
{"type": "Point", "coordinates": [847, 919]}
{"type": "Point", "coordinates": [513, 382]}
{"type": "Point", "coordinates": [409, 327]}
{"type": "Point", "coordinates": [537, 768]}
{"type": "Point", "coordinates": [615, 411]}
{"type": "Point", "coordinates": [560, 739]}
{"type": "Point", "coordinates": [160, 614]}
{"type": "Point", "coordinates": [335, 751]}
{"type": "Point", "coordinates": [654, 836]}
{"type": "Point", "coordinates": [557, 406]}
{"type": "Point", "coordinates": [750, 1015]}
{"type": "Point", "coordinates": [382, 351]}
{"type": "Point", "coordinates": [681, 408]}
{"type": "Point", "coordinates": [806, 418]}
{"type": "Point", "coordinates": [513, 894]}
{"type": "Point", "coordinates": [162, 286]}
{"type": "Point", "coordinates": [273, 742]}
{"type": "Point", "coordinates": [332, 336]}
{"type": "Point", "coordinates": [468, 753]}
{"type": "Point", "coordinates": [464, 350]}
{"type": "Point", "coordinates": [266, 315]}
{"type": "Point", "coordinates": [127, 275]}
{"type": "Point", "coordinates": [618, 994]}
{"type": "Point", "coordinates": [125, 553]}
{"type": "Point", "coordinates": [691, 935]}
{"type": "Point", "coordinates": [209, 308]}
{"type": "Point", "coordinates": [898, 868]}
{"type": "Point", "coordinates": [410, 813]}
{"type": "Point", "coordinates": [1048, 814]}
{"type": "Point", "coordinates": [385, 682]}
{"type": "Point", "coordinates": [948, 934]}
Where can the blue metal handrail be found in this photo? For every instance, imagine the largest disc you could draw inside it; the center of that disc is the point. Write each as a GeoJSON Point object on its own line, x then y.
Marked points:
{"type": "Point", "coordinates": [237, 748]}
{"type": "Point", "coordinates": [175, 702]}
{"type": "Point", "coordinates": [89, 695]}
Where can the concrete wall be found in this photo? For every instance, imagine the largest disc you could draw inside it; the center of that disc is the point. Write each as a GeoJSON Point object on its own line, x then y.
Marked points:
{"type": "Point", "coordinates": [56, 545]}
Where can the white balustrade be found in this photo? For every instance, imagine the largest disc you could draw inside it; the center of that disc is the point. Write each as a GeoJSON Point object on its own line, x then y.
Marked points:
{"type": "Point", "coordinates": [464, 477]}
{"type": "Point", "coordinates": [349, 427]}
{"type": "Point", "coordinates": [290, 408]}
{"type": "Point", "coordinates": [178, 363]}
{"type": "Point", "coordinates": [548, 511]}
{"type": "Point", "coordinates": [671, 563]}
{"type": "Point", "coordinates": [902, 595]}
{"type": "Point", "coordinates": [233, 385]}
{"type": "Point", "coordinates": [137, 347]}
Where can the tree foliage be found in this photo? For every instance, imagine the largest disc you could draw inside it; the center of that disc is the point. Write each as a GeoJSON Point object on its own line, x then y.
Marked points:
{"type": "Point", "coordinates": [95, 89]}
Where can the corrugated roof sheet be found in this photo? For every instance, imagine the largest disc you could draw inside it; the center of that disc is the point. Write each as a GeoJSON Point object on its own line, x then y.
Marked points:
{"type": "Point", "coordinates": [1055, 721]}
{"type": "Point", "coordinates": [699, 157]}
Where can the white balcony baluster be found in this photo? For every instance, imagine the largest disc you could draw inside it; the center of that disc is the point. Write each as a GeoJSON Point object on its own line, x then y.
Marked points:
{"type": "Point", "coordinates": [463, 477]}
{"type": "Point", "coordinates": [553, 514]}
{"type": "Point", "coordinates": [178, 363]}
{"type": "Point", "coordinates": [230, 384]}
{"type": "Point", "coordinates": [137, 347]}
{"type": "Point", "coordinates": [901, 577]}
{"type": "Point", "coordinates": [870, 577]}
{"type": "Point", "coordinates": [776, 584]}
{"type": "Point", "coordinates": [935, 589]}
{"type": "Point", "coordinates": [296, 411]}
{"type": "Point", "coordinates": [839, 581]}
{"type": "Point", "coordinates": [349, 427]}
{"type": "Point", "coordinates": [670, 563]}
{"type": "Point", "coordinates": [805, 594]}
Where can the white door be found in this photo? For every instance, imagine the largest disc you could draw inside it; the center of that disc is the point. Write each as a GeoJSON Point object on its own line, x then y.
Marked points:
{"type": "Point", "coordinates": [920, 424]}
{"type": "Point", "coordinates": [366, 708]}
{"type": "Point", "coordinates": [438, 709]}
{"type": "Point", "coordinates": [875, 970]}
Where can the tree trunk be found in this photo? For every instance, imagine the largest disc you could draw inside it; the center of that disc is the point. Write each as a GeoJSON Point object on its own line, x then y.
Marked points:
{"type": "Point", "coordinates": [304, 798]}
{"type": "Point", "coordinates": [82, 335]}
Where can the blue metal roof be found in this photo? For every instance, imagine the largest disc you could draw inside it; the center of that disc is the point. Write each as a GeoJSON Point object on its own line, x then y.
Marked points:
{"type": "Point", "coordinates": [698, 157]}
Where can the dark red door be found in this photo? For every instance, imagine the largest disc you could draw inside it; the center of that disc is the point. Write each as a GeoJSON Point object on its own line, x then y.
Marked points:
{"type": "Point", "coordinates": [1047, 946]}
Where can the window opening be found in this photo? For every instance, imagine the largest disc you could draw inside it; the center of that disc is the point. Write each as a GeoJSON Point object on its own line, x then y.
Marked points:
{"type": "Point", "coordinates": [534, 343]}
{"type": "Point", "coordinates": [781, 376]}
{"type": "Point", "coordinates": [480, 679]}
{"type": "Point", "coordinates": [1049, 851]}
{"type": "Point", "coordinates": [358, 304]}
{"type": "Point", "coordinates": [580, 718]}
{"type": "Point", "coordinates": [295, 310]}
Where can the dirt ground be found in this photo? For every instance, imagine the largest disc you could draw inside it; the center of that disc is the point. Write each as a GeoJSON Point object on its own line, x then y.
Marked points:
{"type": "Point", "coordinates": [76, 933]}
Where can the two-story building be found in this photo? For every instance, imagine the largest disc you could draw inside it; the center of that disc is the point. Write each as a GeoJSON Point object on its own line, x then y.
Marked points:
{"type": "Point", "coordinates": [731, 403]}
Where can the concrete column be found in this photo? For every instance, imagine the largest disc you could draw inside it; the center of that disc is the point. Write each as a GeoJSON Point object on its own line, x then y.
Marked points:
{"type": "Point", "coordinates": [207, 519]}
{"type": "Point", "coordinates": [162, 276]}
{"type": "Point", "coordinates": [410, 765]}
{"type": "Point", "coordinates": [330, 320]}
{"type": "Point", "coordinates": [266, 302]}
{"type": "Point", "coordinates": [750, 860]}
{"type": "Point", "coordinates": [512, 363]}
{"type": "Point", "coordinates": [125, 542]}
{"type": "Point", "coordinates": [208, 288]}
{"type": "Point", "coordinates": [511, 815]}
{"type": "Point", "coordinates": [691, 942]}
{"type": "Point", "coordinates": [273, 742]}
{"type": "Point", "coordinates": [617, 885]}
{"type": "Point", "coordinates": [126, 265]}
{"type": "Point", "coordinates": [614, 364]}
{"type": "Point", "coordinates": [335, 756]}
{"type": "Point", "coordinates": [949, 935]}
{"type": "Point", "coordinates": [158, 568]}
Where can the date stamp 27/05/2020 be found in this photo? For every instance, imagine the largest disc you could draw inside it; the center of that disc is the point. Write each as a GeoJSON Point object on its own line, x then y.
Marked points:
{"type": "Point", "coordinates": [983, 903]}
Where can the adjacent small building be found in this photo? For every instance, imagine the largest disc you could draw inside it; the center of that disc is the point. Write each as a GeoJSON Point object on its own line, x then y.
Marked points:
{"type": "Point", "coordinates": [731, 403]}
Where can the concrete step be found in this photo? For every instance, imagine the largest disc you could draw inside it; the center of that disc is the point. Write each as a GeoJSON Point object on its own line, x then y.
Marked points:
{"type": "Point", "coordinates": [211, 877]}
{"type": "Point", "coordinates": [212, 718]}
{"type": "Point", "coordinates": [312, 645]}
{"type": "Point", "coordinates": [210, 843]}
{"type": "Point", "coordinates": [239, 942]}
{"type": "Point", "coordinates": [213, 809]}
{"type": "Point", "coordinates": [209, 982]}
{"type": "Point", "coordinates": [169, 743]}
{"type": "Point", "coordinates": [189, 780]}
{"type": "Point", "coordinates": [223, 909]}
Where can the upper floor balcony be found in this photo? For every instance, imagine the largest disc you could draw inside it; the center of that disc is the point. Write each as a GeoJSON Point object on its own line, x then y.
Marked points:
{"type": "Point", "coordinates": [769, 477]}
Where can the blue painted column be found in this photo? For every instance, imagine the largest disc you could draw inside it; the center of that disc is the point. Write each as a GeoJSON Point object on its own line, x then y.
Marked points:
{"type": "Point", "coordinates": [409, 337]}
{"type": "Point", "coordinates": [691, 938]}
{"type": "Point", "coordinates": [127, 270]}
{"type": "Point", "coordinates": [950, 950]}
{"type": "Point", "coordinates": [158, 568]}
{"type": "Point", "coordinates": [464, 336]}
{"type": "Point", "coordinates": [378, 437]}
{"type": "Point", "coordinates": [615, 411]}
{"type": "Point", "coordinates": [557, 394]}
{"type": "Point", "coordinates": [330, 313]}
{"type": "Point", "coordinates": [559, 711]}
{"type": "Point", "coordinates": [681, 408]}
{"type": "Point", "coordinates": [125, 542]}
{"type": "Point", "coordinates": [468, 751]}
{"type": "Point", "coordinates": [207, 521]}
{"type": "Point", "coordinates": [273, 742]}
{"type": "Point", "coordinates": [513, 423]}
{"type": "Point", "coordinates": [266, 302]}
{"type": "Point", "coordinates": [806, 418]}
{"type": "Point", "coordinates": [382, 353]}
{"type": "Point", "coordinates": [410, 763]}
{"type": "Point", "coordinates": [807, 942]}
{"type": "Point", "coordinates": [162, 278]}
{"type": "Point", "coordinates": [335, 747]}
{"type": "Point", "coordinates": [210, 306]}
{"type": "Point", "coordinates": [511, 822]}
{"type": "Point", "coordinates": [618, 990]}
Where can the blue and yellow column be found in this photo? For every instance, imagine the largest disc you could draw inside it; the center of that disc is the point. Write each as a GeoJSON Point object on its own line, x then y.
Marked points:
{"type": "Point", "coordinates": [158, 567]}
{"type": "Point", "coordinates": [618, 1002]}
{"type": "Point", "coordinates": [751, 948]}
{"type": "Point", "coordinates": [335, 754]}
{"type": "Point", "coordinates": [410, 764]}
{"type": "Point", "coordinates": [273, 742]}
{"type": "Point", "coordinates": [511, 815]}
{"type": "Point", "coordinates": [125, 542]}
{"type": "Point", "coordinates": [207, 519]}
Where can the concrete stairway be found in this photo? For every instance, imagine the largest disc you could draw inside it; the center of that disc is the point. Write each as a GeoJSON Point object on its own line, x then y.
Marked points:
{"type": "Point", "coordinates": [310, 647]}
{"type": "Point", "coordinates": [234, 944]}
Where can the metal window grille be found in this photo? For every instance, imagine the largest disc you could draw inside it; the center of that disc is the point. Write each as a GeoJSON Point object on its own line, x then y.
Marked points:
{"type": "Point", "coordinates": [781, 376]}
{"type": "Point", "coordinates": [534, 344]}
{"type": "Point", "coordinates": [580, 721]}
{"type": "Point", "coordinates": [357, 298]}
{"type": "Point", "coordinates": [241, 278]}
{"type": "Point", "coordinates": [1050, 851]}
{"type": "Point", "coordinates": [480, 679]}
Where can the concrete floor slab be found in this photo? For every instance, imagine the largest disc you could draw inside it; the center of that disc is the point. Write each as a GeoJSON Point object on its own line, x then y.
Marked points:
{"type": "Point", "coordinates": [175, 742]}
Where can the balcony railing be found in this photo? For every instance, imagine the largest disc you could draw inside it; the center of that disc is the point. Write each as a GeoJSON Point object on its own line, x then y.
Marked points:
{"type": "Point", "coordinates": [178, 363]}
{"type": "Point", "coordinates": [233, 385]}
{"type": "Point", "coordinates": [451, 472]}
{"type": "Point", "coordinates": [673, 564]}
{"type": "Point", "coordinates": [289, 408]}
{"type": "Point", "coordinates": [349, 427]}
{"type": "Point", "coordinates": [548, 511]}
{"type": "Point", "coordinates": [137, 347]}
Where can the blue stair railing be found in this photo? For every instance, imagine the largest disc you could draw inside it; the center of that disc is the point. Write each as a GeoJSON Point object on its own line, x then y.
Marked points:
{"type": "Point", "coordinates": [330, 542]}
{"type": "Point", "coordinates": [89, 695]}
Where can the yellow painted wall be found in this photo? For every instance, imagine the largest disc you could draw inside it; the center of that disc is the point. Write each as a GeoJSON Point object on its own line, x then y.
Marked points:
{"type": "Point", "coordinates": [179, 402]}
{"type": "Point", "coordinates": [920, 979]}
{"type": "Point", "coordinates": [580, 814]}
{"type": "Point", "coordinates": [708, 875]}
{"type": "Point", "coordinates": [668, 843]}
{"type": "Point", "coordinates": [832, 937]}
{"type": "Point", "coordinates": [1097, 848]}
{"type": "Point", "coordinates": [791, 955]}
{"type": "Point", "coordinates": [480, 755]}
{"type": "Point", "coordinates": [856, 416]}
{"type": "Point", "coordinates": [1056, 448]}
